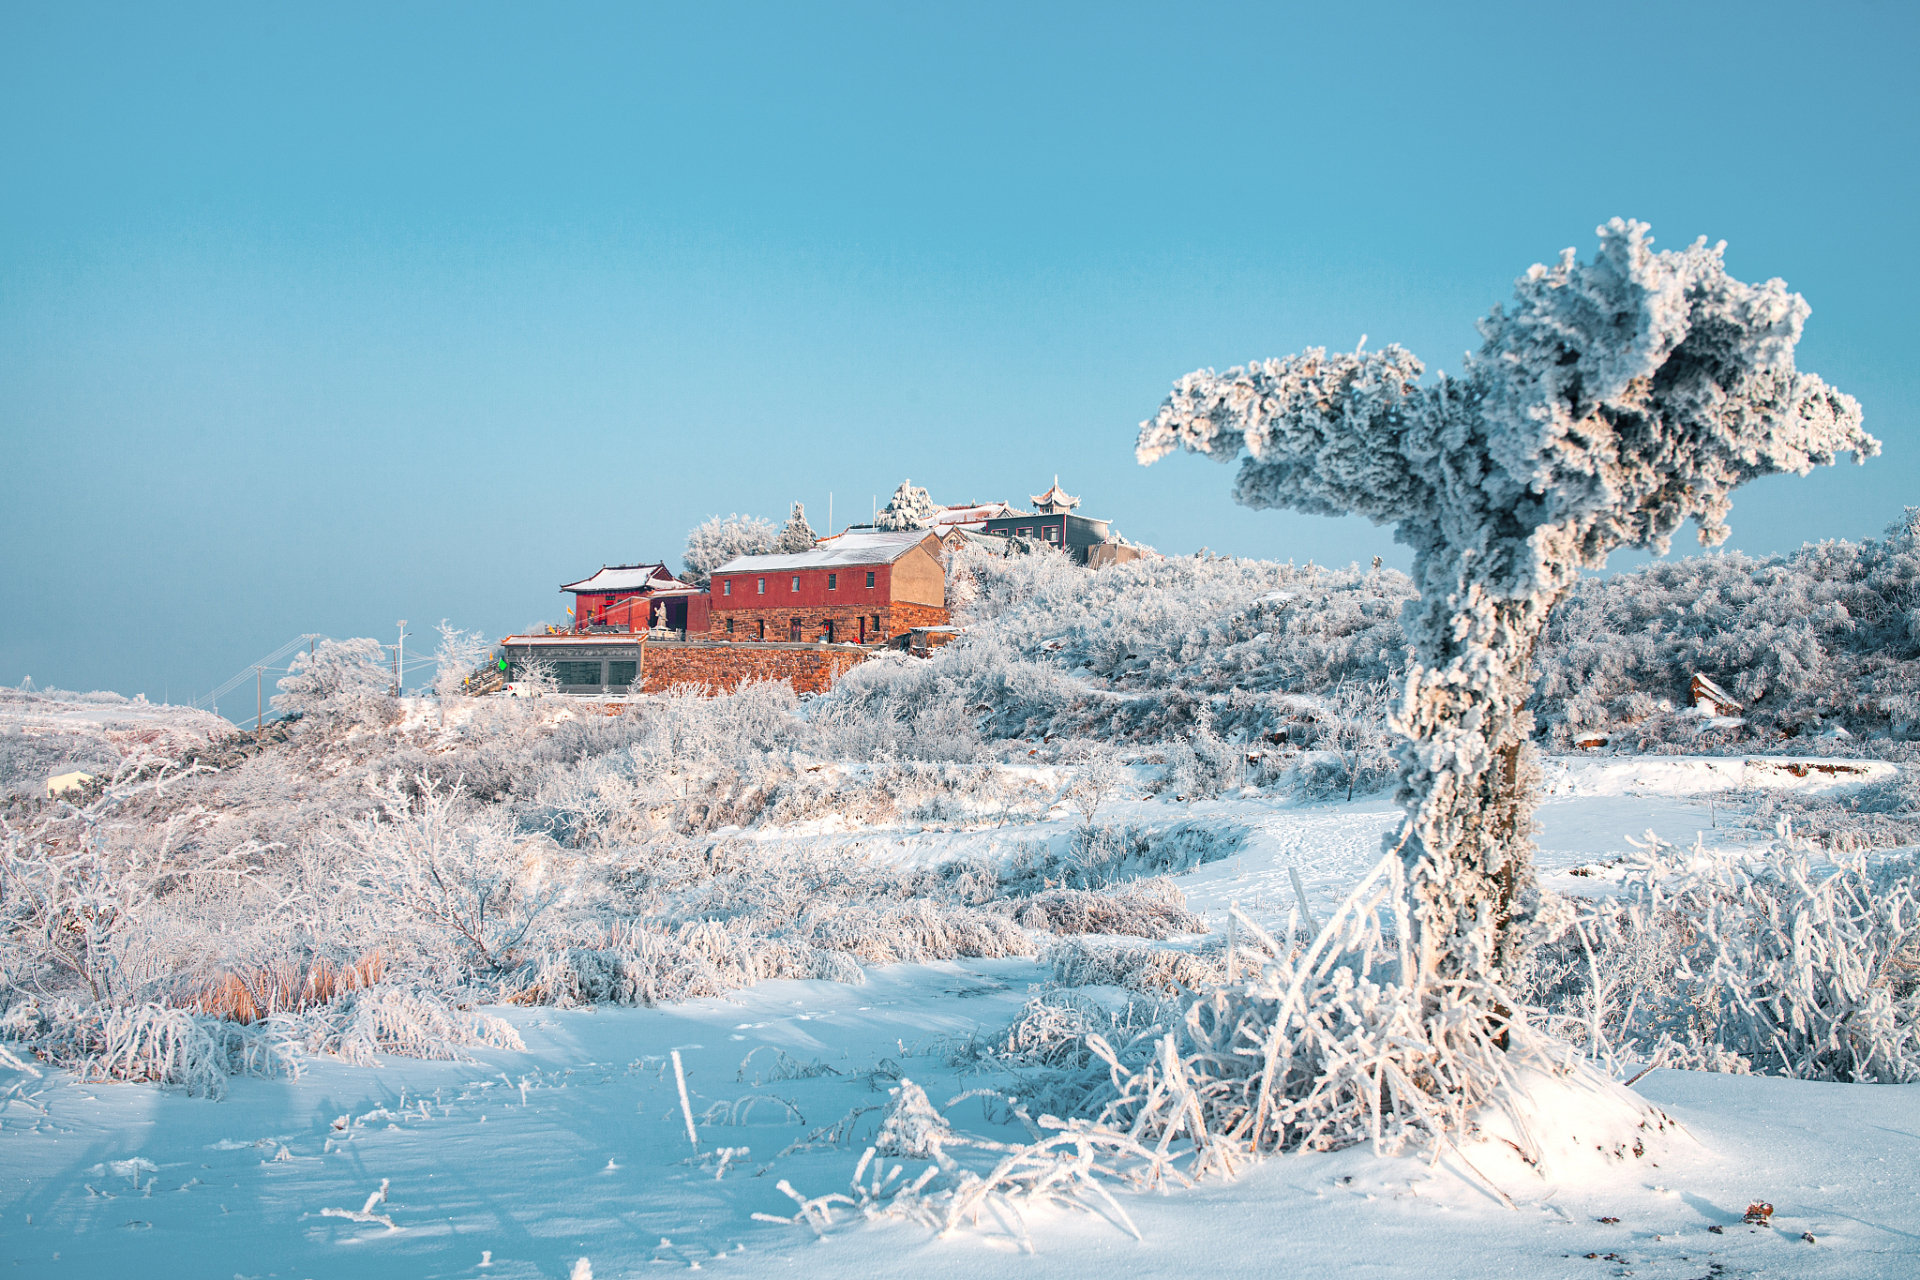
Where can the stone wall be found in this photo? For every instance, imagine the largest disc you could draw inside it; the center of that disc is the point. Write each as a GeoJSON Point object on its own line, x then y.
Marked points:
{"type": "Point", "coordinates": [720, 668]}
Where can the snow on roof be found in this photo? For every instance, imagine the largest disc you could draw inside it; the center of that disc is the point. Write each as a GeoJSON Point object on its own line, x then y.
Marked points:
{"type": "Point", "coordinates": [876, 546]}
{"type": "Point", "coordinates": [972, 515]}
{"type": "Point", "coordinates": [627, 577]}
{"type": "Point", "coordinates": [1054, 500]}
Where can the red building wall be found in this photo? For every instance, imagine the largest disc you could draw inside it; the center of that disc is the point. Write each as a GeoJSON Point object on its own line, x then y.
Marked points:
{"type": "Point", "coordinates": [851, 594]}
{"type": "Point", "coordinates": [624, 609]}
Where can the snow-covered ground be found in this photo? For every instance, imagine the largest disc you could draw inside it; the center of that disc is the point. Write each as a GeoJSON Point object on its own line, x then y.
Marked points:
{"type": "Point", "coordinates": [517, 1164]}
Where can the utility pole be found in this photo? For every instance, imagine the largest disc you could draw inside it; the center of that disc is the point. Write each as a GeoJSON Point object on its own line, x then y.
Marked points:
{"type": "Point", "coordinates": [399, 657]}
{"type": "Point", "coordinates": [259, 707]}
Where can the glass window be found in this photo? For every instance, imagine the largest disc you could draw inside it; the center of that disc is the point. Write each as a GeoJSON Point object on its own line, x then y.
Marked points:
{"type": "Point", "coordinates": [726, 588]}
{"type": "Point", "coordinates": [1024, 533]}
{"type": "Point", "coordinates": [1053, 533]}
{"type": "Point", "coordinates": [729, 626]}
{"type": "Point", "coordinates": [869, 577]}
{"type": "Point", "coordinates": [763, 588]}
{"type": "Point", "coordinates": [796, 582]}
{"type": "Point", "coordinates": [833, 582]}
{"type": "Point", "coordinates": [622, 673]}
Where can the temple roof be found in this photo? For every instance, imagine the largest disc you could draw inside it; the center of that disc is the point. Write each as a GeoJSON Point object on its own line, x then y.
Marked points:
{"type": "Point", "coordinates": [1054, 501]}
{"type": "Point", "coordinates": [629, 577]}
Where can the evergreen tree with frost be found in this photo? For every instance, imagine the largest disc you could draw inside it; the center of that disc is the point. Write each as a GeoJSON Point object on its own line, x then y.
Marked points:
{"type": "Point", "coordinates": [1614, 400]}
{"type": "Point", "coordinates": [718, 539]}
{"type": "Point", "coordinates": [345, 680]}
{"type": "Point", "coordinates": [909, 508]}
{"type": "Point", "coordinates": [798, 536]}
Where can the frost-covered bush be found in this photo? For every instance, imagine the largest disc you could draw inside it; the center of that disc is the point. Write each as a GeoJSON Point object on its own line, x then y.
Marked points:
{"type": "Point", "coordinates": [1878, 815]}
{"type": "Point", "coordinates": [1818, 640]}
{"type": "Point", "coordinates": [1156, 649]}
{"type": "Point", "coordinates": [1788, 963]}
{"type": "Point", "coordinates": [1148, 970]}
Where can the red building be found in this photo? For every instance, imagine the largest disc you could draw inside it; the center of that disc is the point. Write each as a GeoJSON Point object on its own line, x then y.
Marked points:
{"type": "Point", "coordinates": [635, 597]}
{"type": "Point", "coordinates": [861, 587]}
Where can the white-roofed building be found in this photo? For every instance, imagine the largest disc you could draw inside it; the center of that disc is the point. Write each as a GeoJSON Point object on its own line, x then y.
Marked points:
{"type": "Point", "coordinates": [864, 586]}
{"type": "Point", "coordinates": [632, 597]}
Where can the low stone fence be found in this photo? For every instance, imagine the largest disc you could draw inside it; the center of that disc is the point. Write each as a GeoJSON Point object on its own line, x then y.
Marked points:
{"type": "Point", "coordinates": [721, 668]}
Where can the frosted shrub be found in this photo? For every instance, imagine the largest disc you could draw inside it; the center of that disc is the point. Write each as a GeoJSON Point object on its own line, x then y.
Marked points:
{"type": "Point", "coordinates": [1879, 815]}
{"type": "Point", "coordinates": [396, 1019]}
{"type": "Point", "coordinates": [1140, 909]}
{"type": "Point", "coordinates": [148, 1042]}
{"type": "Point", "coordinates": [1785, 964]}
{"type": "Point", "coordinates": [460, 882]}
{"type": "Point", "coordinates": [1809, 641]}
{"type": "Point", "coordinates": [1149, 970]}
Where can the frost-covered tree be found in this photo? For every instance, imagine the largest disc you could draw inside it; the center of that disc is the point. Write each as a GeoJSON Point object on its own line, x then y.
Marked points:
{"type": "Point", "coordinates": [1613, 401]}
{"type": "Point", "coordinates": [718, 539]}
{"type": "Point", "coordinates": [798, 536]}
{"type": "Point", "coordinates": [346, 680]}
{"type": "Point", "coordinates": [459, 654]}
{"type": "Point", "coordinates": [909, 508]}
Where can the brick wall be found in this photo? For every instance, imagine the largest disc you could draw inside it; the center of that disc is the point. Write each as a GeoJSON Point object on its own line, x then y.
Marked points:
{"type": "Point", "coordinates": [896, 620]}
{"type": "Point", "coordinates": [720, 668]}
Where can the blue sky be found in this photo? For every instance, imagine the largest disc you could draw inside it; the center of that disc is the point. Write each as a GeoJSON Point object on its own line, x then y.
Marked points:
{"type": "Point", "coordinates": [316, 318]}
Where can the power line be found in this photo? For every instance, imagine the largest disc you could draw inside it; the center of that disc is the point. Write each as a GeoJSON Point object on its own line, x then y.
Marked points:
{"type": "Point", "coordinates": [239, 676]}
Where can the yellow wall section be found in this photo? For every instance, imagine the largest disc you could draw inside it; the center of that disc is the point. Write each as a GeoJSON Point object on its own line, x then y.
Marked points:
{"type": "Point", "coordinates": [919, 579]}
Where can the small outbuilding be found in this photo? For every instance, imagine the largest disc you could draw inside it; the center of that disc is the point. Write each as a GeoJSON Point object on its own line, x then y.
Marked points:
{"type": "Point", "coordinates": [636, 597]}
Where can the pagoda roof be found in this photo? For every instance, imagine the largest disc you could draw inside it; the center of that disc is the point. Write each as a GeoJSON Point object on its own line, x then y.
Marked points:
{"type": "Point", "coordinates": [654, 577]}
{"type": "Point", "coordinates": [1054, 500]}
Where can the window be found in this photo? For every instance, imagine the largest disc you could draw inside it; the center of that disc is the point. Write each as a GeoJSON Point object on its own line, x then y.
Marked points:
{"type": "Point", "coordinates": [763, 588]}
{"type": "Point", "coordinates": [726, 588]}
{"type": "Point", "coordinates": [793, 629]}
{"type": "Point", "coordinates": [622, 673]}
{"type": "Point", "coordinates": [1024, 533]}
{"type": "Point", "coordinates": [833, 582]}
{"type": "Point", "coordinates": [729, 626]}
{"type": "Point", "coordinates": [796, 582]}
{"type": "Point", "coordinates": [869, 577]}
{"type": "Point", "coordinates": [1053, 533]}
